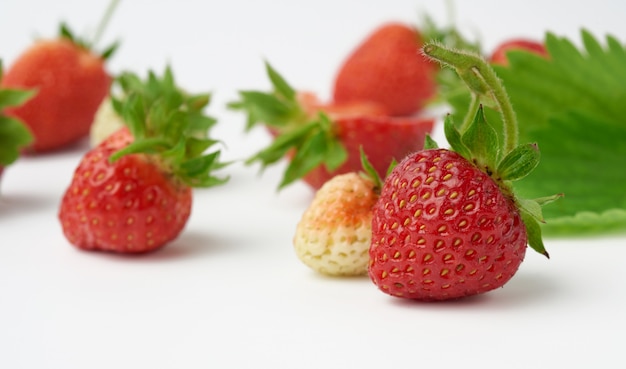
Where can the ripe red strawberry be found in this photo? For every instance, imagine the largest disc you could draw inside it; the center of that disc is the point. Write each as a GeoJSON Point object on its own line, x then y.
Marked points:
{"type": "Point", "coordinates": [448, 223]}
{"type": "Point", "coordinates": [129, 206]}
{"type": "Point", "coordinates": [334, 233]}
{"type": "Point", "coordinates": [388, 68]}
{"type": "Point", "coordinates": [499, 54]}
{"type": "Point", "coordinates": [323, 140]}
{"type": "Point", "coordinates": [132, 193]}
{"type": "Point", "coordinates": [444, 229]}
{"type": "Point", "coordinates": [13, 133]}
{"type": "Point", "coordinates": [70, 80]}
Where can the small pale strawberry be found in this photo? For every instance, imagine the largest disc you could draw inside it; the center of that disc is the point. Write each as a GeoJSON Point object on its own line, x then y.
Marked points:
{"type": "Point", "coordinates": [334, 234]}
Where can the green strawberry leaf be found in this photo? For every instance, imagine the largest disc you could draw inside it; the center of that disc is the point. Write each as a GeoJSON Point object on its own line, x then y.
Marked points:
{"type": "Point", "coordinates": [453, 136]}
{"type": "Point", "coordinates": [587, 166]}
{"type": "Point", "coordinates": [430, 143]}
{"type": "Point", "coordinates": [571, 105]}
{"type": "Point", "coordinates": [370, 172]}
{"type": "Point", "coordinates": [533, 230]}
{"type": "Point", "coordinates": [12, 97]}
{"type": "Point", "coordinates": [318, 147]}
{"type": "Point", "coordinates": [282, 88]}
{"type": "Point", "coordinates": [482, 141]}
{"type": "Point", "coordinates": [168, 123]}
{"type": "Point", "coordinates": [107, 53]}
{"type": "Point", "coordinates": [308, 141]}
{"type": "Point", "coordinates": [519, 163]}
{"type": "Point", "coordinates": [14, 135]}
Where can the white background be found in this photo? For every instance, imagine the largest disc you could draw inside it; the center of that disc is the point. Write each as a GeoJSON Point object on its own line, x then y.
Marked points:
{"type": "Point", "coordinates": [230, 292]}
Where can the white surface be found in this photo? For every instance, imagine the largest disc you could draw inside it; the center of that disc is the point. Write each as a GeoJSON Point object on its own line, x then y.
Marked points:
{"type": "Point", "coordinates": [230, 293]}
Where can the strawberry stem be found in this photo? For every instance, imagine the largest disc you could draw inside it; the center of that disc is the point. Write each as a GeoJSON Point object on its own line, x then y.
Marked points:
{"type": "Point", "coordinates": [104, 21]}
{"type": "Point", "coordinates": [483, 83]}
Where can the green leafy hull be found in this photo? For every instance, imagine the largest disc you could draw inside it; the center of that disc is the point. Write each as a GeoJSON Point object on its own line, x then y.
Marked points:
{"type": "Point", "coordinates": [573, 105]}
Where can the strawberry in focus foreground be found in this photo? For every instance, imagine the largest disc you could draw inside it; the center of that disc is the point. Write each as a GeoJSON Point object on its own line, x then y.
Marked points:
{"type": "Point", "coordinates": [322, 140]}
{"type": "Point", "coordinates": [71, 81]}
{"type": "Point", "coordinates": [14, 135]}
{"type": "Point", "coordinates": [448, 223]}
{"type": "Point", "coordinates": [132, 193]}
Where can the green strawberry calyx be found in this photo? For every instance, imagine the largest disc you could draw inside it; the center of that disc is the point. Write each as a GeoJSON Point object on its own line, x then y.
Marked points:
{"type": "Point", "coordinates": [370, 173]}
{"type": "Point", "coordinates": [311, 139]}
{"type": "Point", "coordinates": [169, 124]}
{"type": "Point", "coordinates": [14, 135]}
{"type": "Point", "coordinates": [66, 33]}
{"type": "Point", "coordinates": [496, 153]}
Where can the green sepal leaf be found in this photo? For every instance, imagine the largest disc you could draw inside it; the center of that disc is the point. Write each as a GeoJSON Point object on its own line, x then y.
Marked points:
{"type": "Point", "coordinates": [547, 199]}
{"type": "Point", "coordinates": [429, 143]}
{"type": "Point", "coordinates": [108, 52]}
{"type": "Point", "coordinates": [281, 86]}
{"type": "Point", "coordinates": [199, 101]}
{"type": "Point", "coordinates": [392, 165]}
{"type": "Point", "coordinates": [13, 136]}
{"type": "Point", "coordinates": [282, 144]}
{"type": "Point", "coordinates": [14, 97]}
{"type": "Point", "coordinates": [482, 141]}
{"type": "Point", "coordinates": [532, 208]}
{"type": "Point", "coordinates": [170, 125]}
{"type": "Point", "coordinates": [533, 231]}
{"type": "Point", "coordinates": [263, 108]}
{"type": "Point", "coordinates": [196, 147]}
{"type": "Point", "coordinates": [278, 108]}
{"type": "Point", "coordinates": [319, 147]}
{"type": "Point", "coordinates": [199, 124]}
{"type": "Point", "coordinates": [453, 136]}
{"type": "Point", "coordinates": [197, 171]}
{"type": "Point", "coordinates": [66, 33]}
{"type": "Point", "coordinates": [369, 171]}
{"type": "Point", "coordinates": [307, 141]}
{"type": "Point", "coordinates": [145, 146]}
{"type": "Point", "coordinates": [308, 156]}
{"type": "Point", "coordinates": [519, 163]}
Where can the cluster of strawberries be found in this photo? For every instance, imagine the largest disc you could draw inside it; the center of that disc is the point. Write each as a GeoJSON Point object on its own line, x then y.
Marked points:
{"type": "Point", "coordinates": [438, 226]}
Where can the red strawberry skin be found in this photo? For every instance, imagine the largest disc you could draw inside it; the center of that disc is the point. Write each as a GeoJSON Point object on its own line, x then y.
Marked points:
{"type": "Point", "coordinates": [70, 81]}
{"type": "Point", "coordinates": [499, 54]}
{"type": "Point", "coordinates": [388, 68]}
{"type": "Point", "coordinates": [383, 139]}
{"type": "Point", "coordinates": [129, 206]}
{"type": "Point", "coordinates": [442, 229]}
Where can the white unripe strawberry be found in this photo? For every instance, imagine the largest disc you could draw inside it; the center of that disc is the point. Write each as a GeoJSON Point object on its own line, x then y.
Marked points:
{"type": "Point", "coordinates": [333, 237]}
